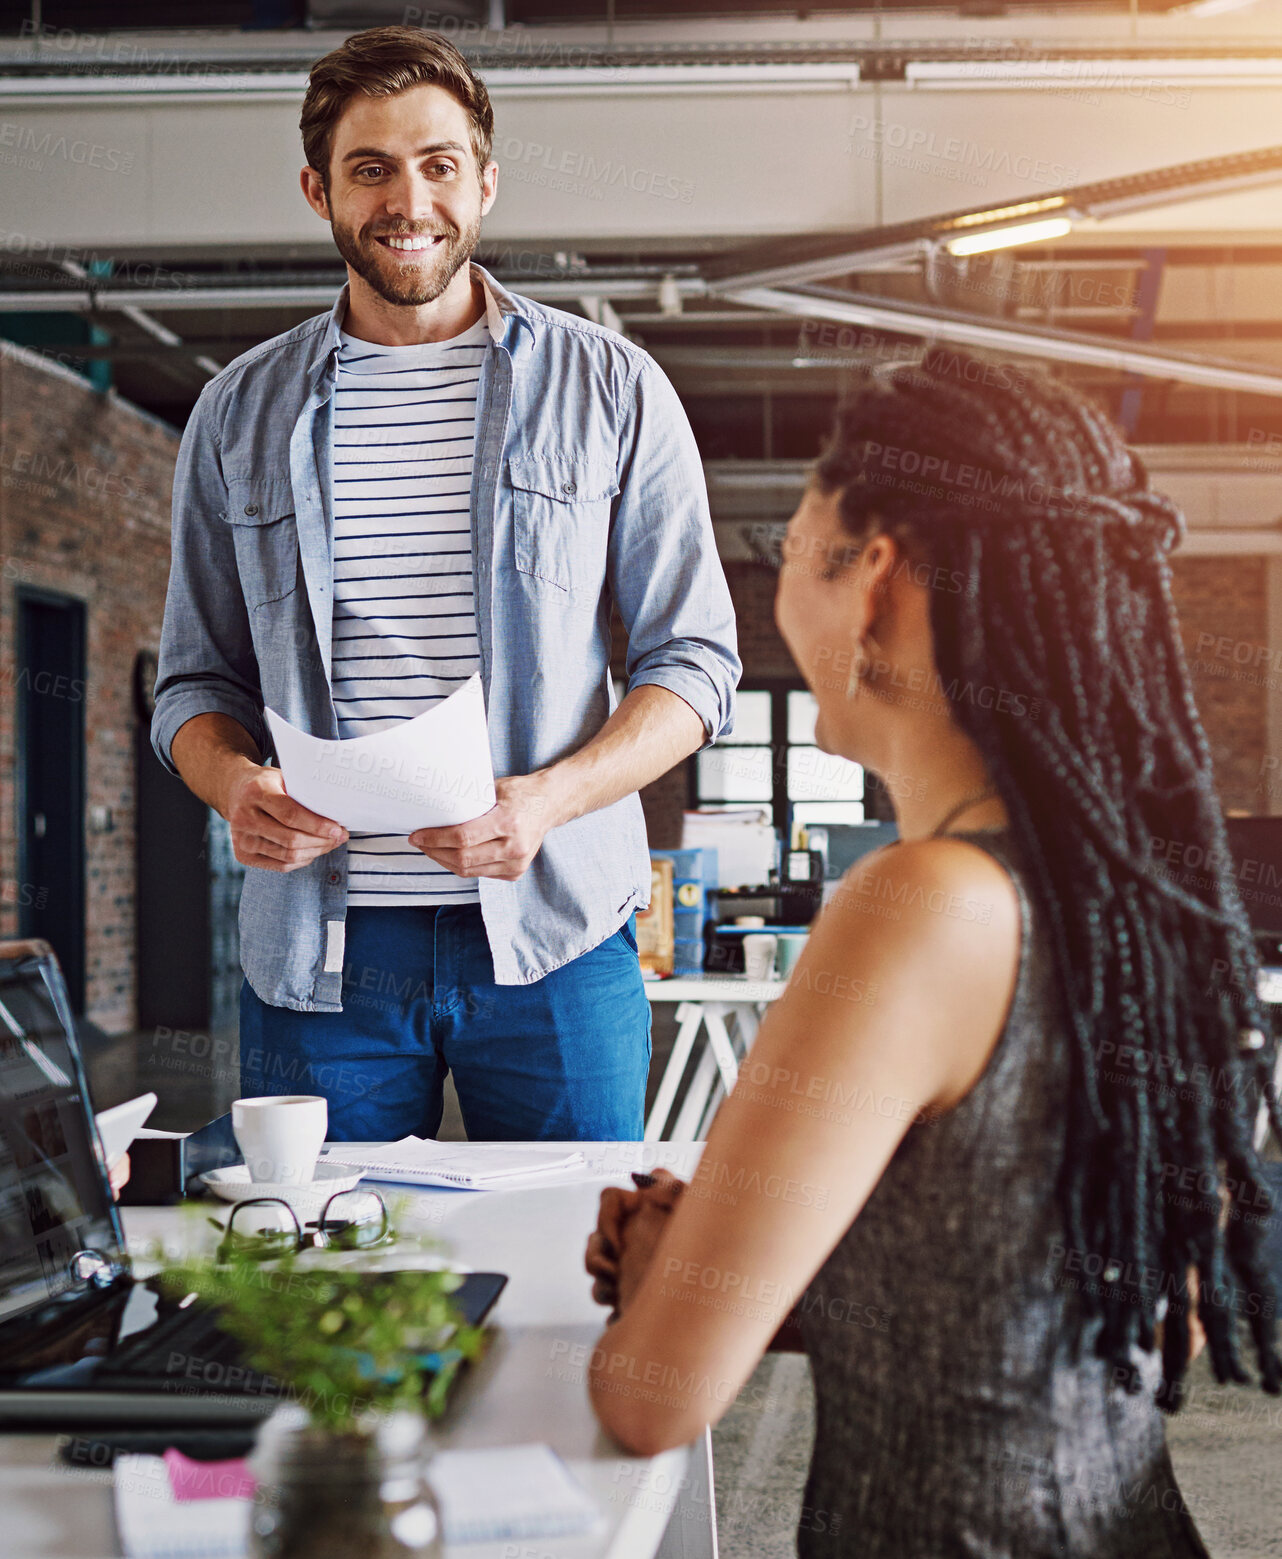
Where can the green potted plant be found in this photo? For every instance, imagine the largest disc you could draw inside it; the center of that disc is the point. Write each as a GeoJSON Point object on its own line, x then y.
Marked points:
{"type": "Point", "coordinates": [361, 1359]}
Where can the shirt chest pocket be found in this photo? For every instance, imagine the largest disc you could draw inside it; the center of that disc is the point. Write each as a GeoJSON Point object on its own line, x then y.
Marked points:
{"type": "Point", "coordinates": [260, 512]}
{"type": "Point", "coordinates": [561, 508]}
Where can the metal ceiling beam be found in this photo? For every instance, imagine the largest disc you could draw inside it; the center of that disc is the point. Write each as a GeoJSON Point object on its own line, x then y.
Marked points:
{"type": "Point", "coordinates": [878, 314]}
{"type": "Point", "coordinates": [131, 52]}
{"type": "Point", "coordinates": [288, 86]}
{"type": "Point", "coordinates": [837, 255]}
{"type": "Point", "coordinates": [992, 335]}
{"type": "Point", "coordinates": [698, 318]}
{"type": "Point", "coordinates": [308, 295]}
{"type": "Point", "coordinates": [145, 323]}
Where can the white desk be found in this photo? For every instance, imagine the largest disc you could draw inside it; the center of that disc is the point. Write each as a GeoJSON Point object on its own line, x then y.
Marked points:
{"type": "Point", "coordinates": [707, 1002]}
{"type": "Point", "coordinates": [531, 1385]}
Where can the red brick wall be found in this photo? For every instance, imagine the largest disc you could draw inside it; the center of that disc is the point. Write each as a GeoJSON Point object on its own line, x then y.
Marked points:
{"type": "Point", "coordinates": [1227, 596]}
{"type": "Point", "coordinates": [85, 485]}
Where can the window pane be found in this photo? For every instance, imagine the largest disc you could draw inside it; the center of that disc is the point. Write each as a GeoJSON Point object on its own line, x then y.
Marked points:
{"type": "Point", "coordinates": [751, 718]}
{"type": "Point", "coordinates": [821, 813]}
{"type": "Point", "coordinates": [821, 776]}
{"type": "Point", "coordinates": [802, 710]}
{"type": "Point", "coordinates": [734, 774]}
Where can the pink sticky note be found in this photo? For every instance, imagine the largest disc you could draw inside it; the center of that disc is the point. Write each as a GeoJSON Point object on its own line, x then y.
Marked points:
{"type": "Point", "coordinates": [209, 1480]}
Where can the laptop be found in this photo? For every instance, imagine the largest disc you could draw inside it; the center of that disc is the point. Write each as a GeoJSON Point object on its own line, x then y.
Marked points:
{"type": "Point", "coordinates": [83, 1342]}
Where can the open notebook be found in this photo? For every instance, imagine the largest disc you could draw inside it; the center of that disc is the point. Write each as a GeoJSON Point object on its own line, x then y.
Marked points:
{"type": "Point", "coordinates": [472, 1166]}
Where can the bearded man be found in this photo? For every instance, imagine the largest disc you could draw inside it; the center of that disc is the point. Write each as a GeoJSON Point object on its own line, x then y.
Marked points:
{"type": "Point", "coordinates": [440, 478]}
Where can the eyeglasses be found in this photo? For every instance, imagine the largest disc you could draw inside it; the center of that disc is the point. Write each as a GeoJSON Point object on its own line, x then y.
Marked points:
{"type": "Point", "coordinates": [349, 1220]}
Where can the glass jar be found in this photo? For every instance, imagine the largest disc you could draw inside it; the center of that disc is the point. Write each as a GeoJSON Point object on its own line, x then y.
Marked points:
{"type": "Point", "coordinates": [355, 1495]}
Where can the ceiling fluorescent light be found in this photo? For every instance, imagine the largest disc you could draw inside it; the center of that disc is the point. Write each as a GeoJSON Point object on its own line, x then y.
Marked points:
{"type": "Point", "coordinates": [991, 215]}
{"type": "Point", "coordinates": [1008, 237]}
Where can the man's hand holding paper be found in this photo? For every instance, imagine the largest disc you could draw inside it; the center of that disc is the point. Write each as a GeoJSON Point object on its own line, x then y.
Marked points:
{"type": "Point", "coordinates": [270, 830]}
{"type": "Point", "coordinates": [503, 841]}
{"type": "Point", "coordinates": [430, 771]}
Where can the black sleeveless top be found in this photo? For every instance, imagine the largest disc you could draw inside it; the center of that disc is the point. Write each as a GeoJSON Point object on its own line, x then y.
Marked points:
{"type": "Point", "coordinates": [960, 1408]}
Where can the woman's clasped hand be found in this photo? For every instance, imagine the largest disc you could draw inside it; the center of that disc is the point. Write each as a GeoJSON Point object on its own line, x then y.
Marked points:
{"type": "Point", "coordinates": [629, 1225]}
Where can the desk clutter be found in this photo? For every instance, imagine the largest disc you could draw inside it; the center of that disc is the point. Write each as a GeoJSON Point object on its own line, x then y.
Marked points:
{"type": "Point", "coordinates": [241, 1394]}
{"type": "Point", "coordinates": [171, 1168]}
{"type": "Point", "coordinates": [171, 1506]}
{"type": "Point", "coordinates": [733, 876]}
{"type": "Point", "coordinates": [683, 888]}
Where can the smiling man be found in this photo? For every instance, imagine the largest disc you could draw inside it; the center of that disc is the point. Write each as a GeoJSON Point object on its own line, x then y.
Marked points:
{"type": "Point", "coordinates": [439, 478]}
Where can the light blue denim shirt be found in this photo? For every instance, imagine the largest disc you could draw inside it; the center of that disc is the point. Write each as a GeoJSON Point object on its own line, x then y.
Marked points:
{"type": "Point", "coordinates": [587, 488]}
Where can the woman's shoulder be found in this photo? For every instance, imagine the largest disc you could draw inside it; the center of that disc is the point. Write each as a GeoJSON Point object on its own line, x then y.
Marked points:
{"type": "Point", "coordinates": [953, 877]}
{"type": "Point", "coordinates": [936, 927]}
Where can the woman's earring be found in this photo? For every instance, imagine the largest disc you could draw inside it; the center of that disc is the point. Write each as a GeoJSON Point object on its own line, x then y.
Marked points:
{"type": "Point", "coordinates": [859, 664]}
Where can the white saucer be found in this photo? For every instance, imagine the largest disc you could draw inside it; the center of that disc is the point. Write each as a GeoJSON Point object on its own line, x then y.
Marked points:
{"type": "Point", "coordinates": [234, 1185]}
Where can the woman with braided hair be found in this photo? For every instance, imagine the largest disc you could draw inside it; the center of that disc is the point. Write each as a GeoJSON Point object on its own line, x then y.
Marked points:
{"type": "Point", "coordinates": [947, 1166]}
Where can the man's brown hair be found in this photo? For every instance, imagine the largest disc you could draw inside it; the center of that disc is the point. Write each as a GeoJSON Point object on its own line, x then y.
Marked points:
{"type": "Point", "coordinates": [380, 62]}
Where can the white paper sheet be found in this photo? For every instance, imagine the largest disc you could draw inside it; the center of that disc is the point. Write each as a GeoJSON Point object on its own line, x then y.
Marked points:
{"type": "Point", "coordinates": [509, 1492]}
{"type": "Point", "coordinates": [428, 772]}
{"type": "Point", "coordinates": [154, 1525]}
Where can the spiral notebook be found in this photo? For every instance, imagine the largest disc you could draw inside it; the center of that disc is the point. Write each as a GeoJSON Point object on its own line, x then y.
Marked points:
{"type": "Point", "coordinates": [469, 1166]}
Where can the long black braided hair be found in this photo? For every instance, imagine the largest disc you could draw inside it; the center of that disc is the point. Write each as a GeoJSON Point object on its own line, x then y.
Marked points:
{"type": "Point", "coordinates": [1052, 552]}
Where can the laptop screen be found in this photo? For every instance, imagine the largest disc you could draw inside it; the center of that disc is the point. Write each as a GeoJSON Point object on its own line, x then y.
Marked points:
{"type": "Point", "coordinates": [55, 1199]}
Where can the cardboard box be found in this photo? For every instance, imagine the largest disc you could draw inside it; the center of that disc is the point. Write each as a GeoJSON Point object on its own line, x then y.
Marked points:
{"type": "Point", "coordinates": [655, 935]}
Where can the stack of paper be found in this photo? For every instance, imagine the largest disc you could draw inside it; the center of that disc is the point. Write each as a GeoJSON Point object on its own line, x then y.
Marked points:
{"type": "Point", "coordinates": [508, 1493]}
{"type": "Point", "coordinates": [473, 1166]}
{"type": "Point", "coordinates": [745, 841]}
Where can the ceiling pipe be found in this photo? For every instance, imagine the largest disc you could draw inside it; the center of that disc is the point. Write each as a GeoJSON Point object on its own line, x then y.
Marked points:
{"type": "Point", "coordinates": [992, 335]}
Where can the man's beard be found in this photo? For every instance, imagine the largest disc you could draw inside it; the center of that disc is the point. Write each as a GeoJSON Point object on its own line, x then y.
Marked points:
{"type": "Point", "coordinates": [408, 283]}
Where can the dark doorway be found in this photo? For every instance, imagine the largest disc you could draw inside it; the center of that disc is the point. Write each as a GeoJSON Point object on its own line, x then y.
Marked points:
{"type": "Point", "coordinates": [50, 683]}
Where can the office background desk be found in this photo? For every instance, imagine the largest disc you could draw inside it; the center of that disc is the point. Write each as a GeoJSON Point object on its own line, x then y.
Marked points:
{"type": "Point", "coordinates": [717, 1017]}
{"type": "Point", "coordinates": [531, 1386]}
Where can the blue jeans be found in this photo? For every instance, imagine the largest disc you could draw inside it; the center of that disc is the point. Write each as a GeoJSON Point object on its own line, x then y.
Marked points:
{"type": "Point", "coordinates": [564, 1058]}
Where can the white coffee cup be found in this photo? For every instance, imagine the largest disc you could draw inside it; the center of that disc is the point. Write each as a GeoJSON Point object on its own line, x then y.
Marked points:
{"type": "Point", "coordinates": [281, 1136]}
{"type": "Point", "coordinates": [759, 955]}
